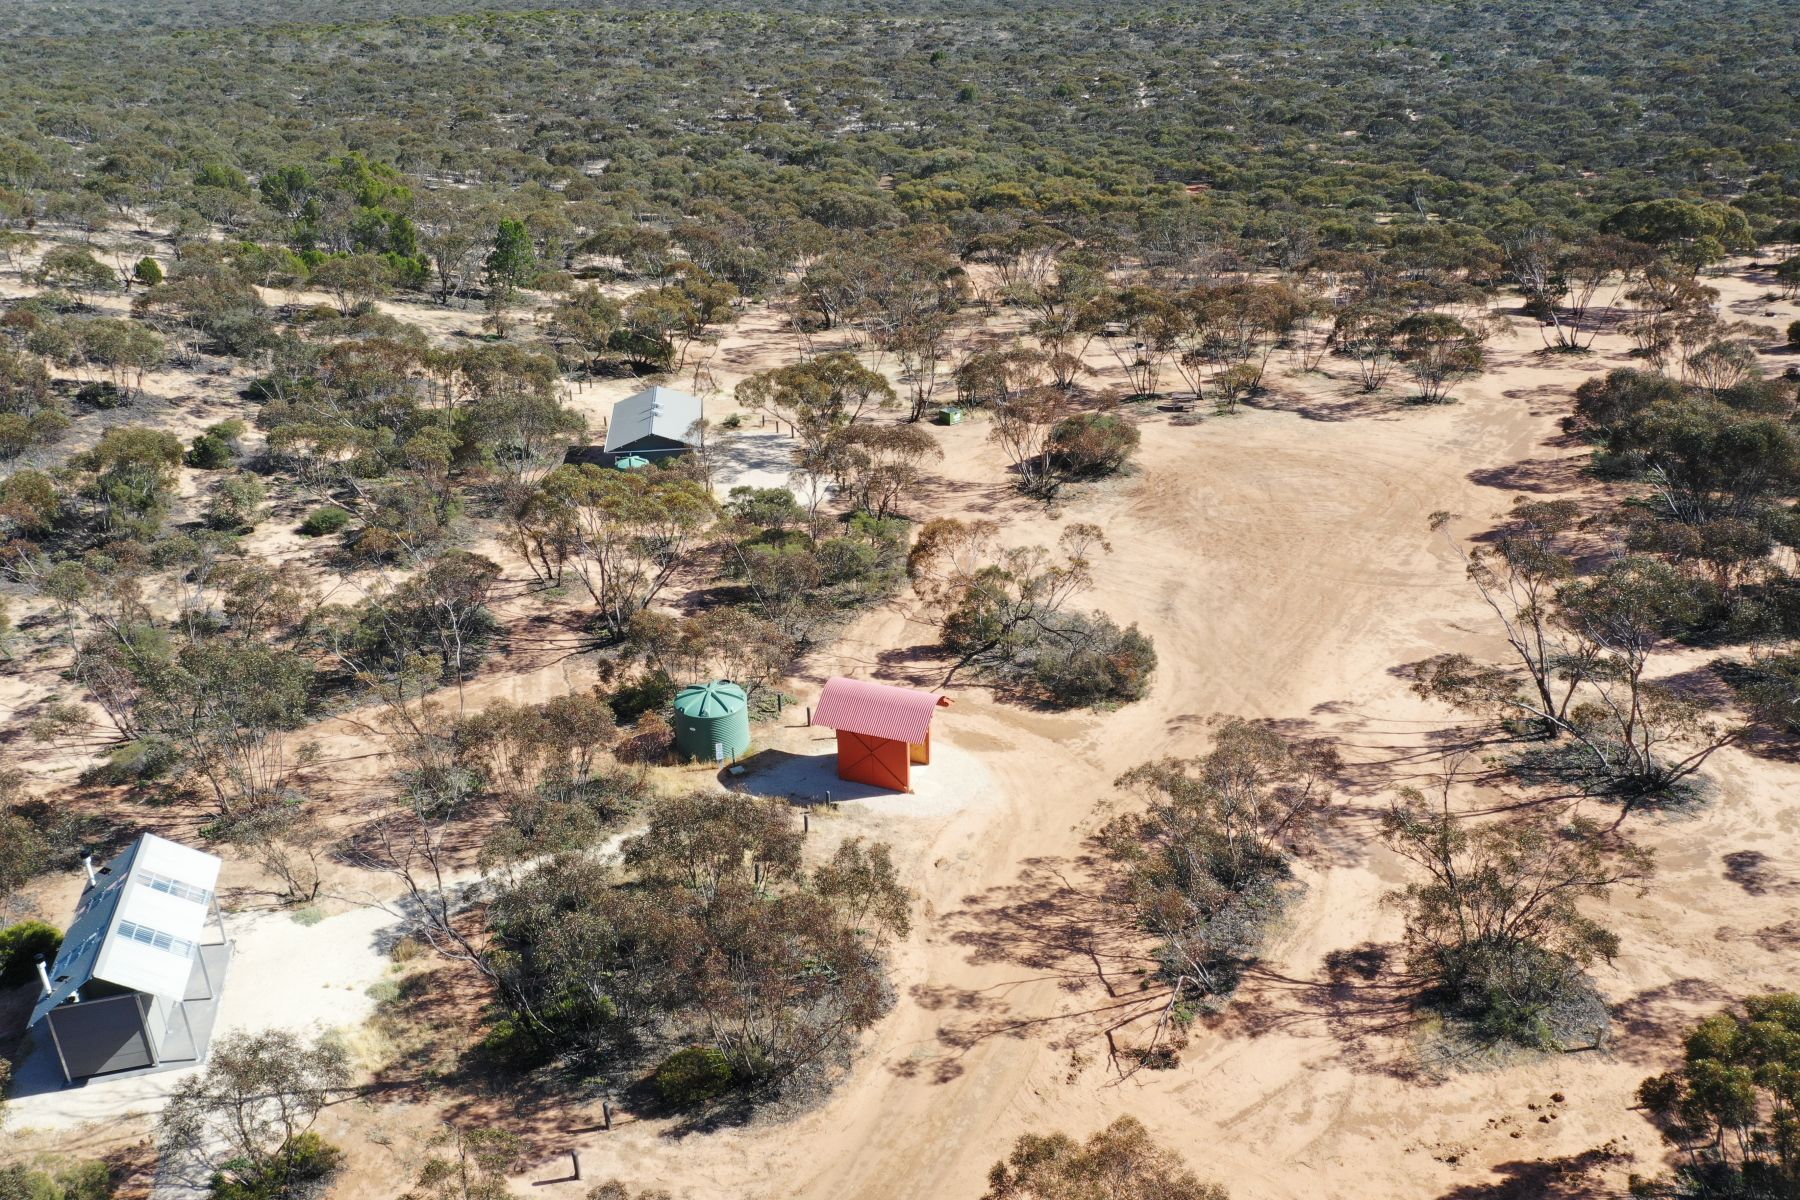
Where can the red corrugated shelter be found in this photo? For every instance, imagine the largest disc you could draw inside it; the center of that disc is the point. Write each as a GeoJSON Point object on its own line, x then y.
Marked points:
{"type": "Point", "coordinates": [881, 730]}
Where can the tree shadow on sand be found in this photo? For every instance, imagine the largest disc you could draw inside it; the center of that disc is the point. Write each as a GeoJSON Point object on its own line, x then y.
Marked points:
{"type": "Point", "coordinates": [1348, 403]}
{"type": "Point", "coordinates": [1359, 999]}
{"type": "Point", "coordinates": [1064, 925]}
{"type": "Point", "coordinates": [1542, 476]}
{"type": "Point", "coordinates": [1571, 1177]}
{"type": "Point", "coordinates": [1757, 873]}
{"type": "Point", "coordinates": [1646, 1026]}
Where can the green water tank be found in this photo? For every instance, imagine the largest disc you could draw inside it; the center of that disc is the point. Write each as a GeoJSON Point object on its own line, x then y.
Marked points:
{"type": "Point", "coordinates": [711, 715]}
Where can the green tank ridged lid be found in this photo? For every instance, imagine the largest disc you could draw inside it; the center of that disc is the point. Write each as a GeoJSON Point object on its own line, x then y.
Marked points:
{"type": "Point", "coordinates": [720, 698]}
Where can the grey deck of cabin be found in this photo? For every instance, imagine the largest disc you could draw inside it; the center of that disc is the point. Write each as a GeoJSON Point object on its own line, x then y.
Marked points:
{"type": "Point", "coordinates": [39, 1071]}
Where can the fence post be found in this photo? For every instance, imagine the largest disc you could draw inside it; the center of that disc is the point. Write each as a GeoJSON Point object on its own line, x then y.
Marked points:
{"type": "Point", "coordinates": [606, 1114]}
{"type": "Point", "coordinates": [805, 822]}
{"type": "Point", "coordinates": [575, 1163]}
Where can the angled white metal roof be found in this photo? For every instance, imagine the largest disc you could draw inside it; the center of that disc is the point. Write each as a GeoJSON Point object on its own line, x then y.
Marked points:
{"type": "Point", "coordinates": [654, 412]}
{"type": "Point", "coordinates": [139, 925]}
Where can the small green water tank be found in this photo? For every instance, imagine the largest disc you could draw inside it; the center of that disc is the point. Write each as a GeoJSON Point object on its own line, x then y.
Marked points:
{"type": "Point", "coordinates": [712, 715]}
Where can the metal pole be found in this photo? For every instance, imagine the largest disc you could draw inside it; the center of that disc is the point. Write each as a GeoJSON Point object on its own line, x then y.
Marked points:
{"type": "Point", "coordinates": [193, 1042]}
{"type": "Point", "coordinates": [200, 957]}
{"type": "Point", "coordinates": [50, 1020]}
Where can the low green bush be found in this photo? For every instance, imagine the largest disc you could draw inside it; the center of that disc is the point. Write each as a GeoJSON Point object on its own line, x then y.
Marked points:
{"type": "Point", "coordinates": [89, 1180]}
{"type": "Point", "coordinates": [1090, 444]}
{"type": "Point", "coordinates": [303, 1164]}
{"type": "Point", "coordinates": [1088, 661]}
{"type": "Point", "coordinates": [652, 693]}
{"type": "Point", "coordinates": [102, 394]}
{"type": "Point", "coordinates": [512, 1046]}
{"type": "Point", "coordinates": [19, 947]}
{"type": "Point", "coordinates": [236, 503]}
{"type": "Point", "coordinates": [693, 1076]}
{"type": "Point", "coordinates": [321, 521]}
{"type": "Point", "coordinates": [146, 758]}
{"type": "Point", "coordinates": [209, 453]}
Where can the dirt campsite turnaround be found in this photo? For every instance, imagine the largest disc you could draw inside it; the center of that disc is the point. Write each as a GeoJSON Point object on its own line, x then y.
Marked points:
{"type": "Point", "coordinates": [1283, 560]}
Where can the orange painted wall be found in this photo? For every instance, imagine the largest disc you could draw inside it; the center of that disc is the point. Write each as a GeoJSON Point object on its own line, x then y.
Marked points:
{"type": "Point", "coordinates": [878, 762]}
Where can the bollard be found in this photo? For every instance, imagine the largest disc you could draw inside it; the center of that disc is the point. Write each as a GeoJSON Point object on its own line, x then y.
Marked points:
{"type": "Point", "coordinates": [606, 1114]}
{"type": "Point", "coordinates": [575, 1165]}
{"type": "Point", "coordinates": [809, 716]}
{"type": "Point", "coordinates": [805, 823]}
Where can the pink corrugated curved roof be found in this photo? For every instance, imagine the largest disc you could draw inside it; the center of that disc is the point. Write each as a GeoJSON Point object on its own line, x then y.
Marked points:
{"type": "Point", "coordinates": [877, 709]}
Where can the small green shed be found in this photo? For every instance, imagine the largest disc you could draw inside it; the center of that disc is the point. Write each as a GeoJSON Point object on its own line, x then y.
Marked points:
{"type": "Point", "coordinates": [709, 716]}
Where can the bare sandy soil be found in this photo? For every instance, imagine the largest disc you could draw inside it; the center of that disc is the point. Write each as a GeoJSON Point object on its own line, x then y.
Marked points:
{"type": "Point", "coordinates": [1281, 560]}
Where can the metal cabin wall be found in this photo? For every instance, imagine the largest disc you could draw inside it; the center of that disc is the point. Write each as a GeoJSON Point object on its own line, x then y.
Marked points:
{"type": "Point", "coordinates": [652, 446]}
{"type": "Point", "coordinates": [98, 1036]}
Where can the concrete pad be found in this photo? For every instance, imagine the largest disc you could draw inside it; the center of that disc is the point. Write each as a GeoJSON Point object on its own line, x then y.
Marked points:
{"type": "Point", "coordinates": [955, 779]}
{"type": "Point", "coordinates": [284, 975]}
{"type": "Point", "coordinates": [760, 458]}
{"type": "Point", "coordinates": [184, 1046]}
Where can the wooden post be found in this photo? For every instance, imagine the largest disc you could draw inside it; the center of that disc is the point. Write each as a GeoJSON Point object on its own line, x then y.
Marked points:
{"type": "Point", "coordinates": [606, 1114]}
{"type": "Point", "coordinates": [575, 1164]}
{"type": "Point", "coordinates": [809, 716]}
{"type": "Point", "coordinates": [805, 822]}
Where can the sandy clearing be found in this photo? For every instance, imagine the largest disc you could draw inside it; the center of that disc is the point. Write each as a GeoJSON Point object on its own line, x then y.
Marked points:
{"type": "Point", "coordinates": [1284, 566]}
